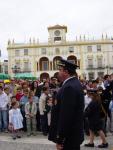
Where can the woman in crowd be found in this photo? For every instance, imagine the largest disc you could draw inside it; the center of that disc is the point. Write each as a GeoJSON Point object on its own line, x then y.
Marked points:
{"type": "Point", "coordinates": [43, 115]}
{"type": "Point", "coordinates": [34, 87]}
{"type": "Point", "coordinates": [94, 118]}
{"type": "Point", "coordinates": [23, 101]}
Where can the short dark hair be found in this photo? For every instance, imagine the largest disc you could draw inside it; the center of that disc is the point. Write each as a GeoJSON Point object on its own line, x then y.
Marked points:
{"type": "Point", "coordinates": [19, 88]}
{"type": "Point", "coordinates": [94, 81]}
{"type": "Point", "coordinates": [25, 90]}
{"type": "Point", "coordinates": [44, 88]}
{"type": "Point", "coordinates": [14, 103]}
{"type": "Point", "coordinates": [13, 97]}
{"type": "Point", "coordinates": [1, 88]}
{"type": "Point", "coordinates": [106, 76]}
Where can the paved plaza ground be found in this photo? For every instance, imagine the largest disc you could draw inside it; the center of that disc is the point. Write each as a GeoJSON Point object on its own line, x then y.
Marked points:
{"type": "Point", "coordinates": [40, 142]}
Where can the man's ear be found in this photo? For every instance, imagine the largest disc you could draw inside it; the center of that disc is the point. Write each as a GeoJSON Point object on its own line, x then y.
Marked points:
{"type": "Point", "coordinates": [66, 71]}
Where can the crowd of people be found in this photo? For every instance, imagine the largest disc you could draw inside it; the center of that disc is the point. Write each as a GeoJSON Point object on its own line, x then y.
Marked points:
{"type": "Point", "coordinates": [27, 105]}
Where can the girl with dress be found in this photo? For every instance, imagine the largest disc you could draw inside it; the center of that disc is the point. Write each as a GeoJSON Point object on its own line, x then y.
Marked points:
{"type": "Point", "coordinates": [15, 120]}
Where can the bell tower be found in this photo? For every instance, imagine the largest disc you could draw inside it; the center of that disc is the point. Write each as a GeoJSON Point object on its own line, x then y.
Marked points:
{"type": "Point", "coordinates": [57, 34]}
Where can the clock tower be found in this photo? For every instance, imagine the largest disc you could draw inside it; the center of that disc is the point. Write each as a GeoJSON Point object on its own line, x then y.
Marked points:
{"type": "Point", "coordinates": [57, 34]}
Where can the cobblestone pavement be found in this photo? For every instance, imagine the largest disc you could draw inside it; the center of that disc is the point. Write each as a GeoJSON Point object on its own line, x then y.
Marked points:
{"type": "Point", "coordinates": [40, 142]}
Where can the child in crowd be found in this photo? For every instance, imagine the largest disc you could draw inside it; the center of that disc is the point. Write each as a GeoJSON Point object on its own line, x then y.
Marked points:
{"type": "Point", "coordinates": [36, 100]}
{"type": "Point", "coordinates": [15, 120]}
{"type": "Point", "coordinates": [48, 107]}
{"type": "Point", "coordinates": [30, 113]}
{"type": "Point", "coordinates": [19, 93]}
{"type": "Point", "coordinates": [13, 98]}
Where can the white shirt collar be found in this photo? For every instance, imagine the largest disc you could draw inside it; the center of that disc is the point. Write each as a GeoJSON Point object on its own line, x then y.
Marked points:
{"type": "Point", "coordinates": [68, 79]}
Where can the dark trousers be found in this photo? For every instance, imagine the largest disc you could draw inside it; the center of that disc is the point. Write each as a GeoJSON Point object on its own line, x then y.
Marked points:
{"type": "Point", "coordinates": [70, 144]}
{"type": "Point", "coordinates": [43, 122]}
{"type": "Point", "coordinates": [38, 120]}
{"type": "Point", "coordinates": [24, 121]}
{"type": "Point", "coordinates": [69, 147]}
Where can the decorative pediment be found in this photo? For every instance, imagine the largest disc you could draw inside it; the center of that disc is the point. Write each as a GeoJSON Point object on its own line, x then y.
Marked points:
{"type": "Point", "coordinates": [57, 27]}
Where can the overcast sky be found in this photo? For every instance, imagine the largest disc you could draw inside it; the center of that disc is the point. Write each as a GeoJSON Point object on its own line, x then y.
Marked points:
{"type": "Point", "coordinates": [22, 19]}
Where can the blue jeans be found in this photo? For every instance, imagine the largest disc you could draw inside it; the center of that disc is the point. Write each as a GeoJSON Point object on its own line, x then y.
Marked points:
{"type": "Point", "coordinates": [3, 119]}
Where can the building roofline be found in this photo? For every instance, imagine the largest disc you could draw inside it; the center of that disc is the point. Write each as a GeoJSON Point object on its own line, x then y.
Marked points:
{"type": "Point", "coordinates": [69, 43]}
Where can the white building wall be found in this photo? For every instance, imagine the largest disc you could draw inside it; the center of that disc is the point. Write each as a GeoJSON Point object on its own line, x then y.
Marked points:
{"type": "Point", "coordinates": [80, 51]}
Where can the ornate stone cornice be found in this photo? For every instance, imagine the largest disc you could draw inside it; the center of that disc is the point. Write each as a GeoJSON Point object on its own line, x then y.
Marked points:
{"type": "Point", "coordinates": [70, 43]}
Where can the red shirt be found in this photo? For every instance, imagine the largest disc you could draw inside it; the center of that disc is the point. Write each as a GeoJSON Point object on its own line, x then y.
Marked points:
{"type": "Point", "coordinates": [18, 96]}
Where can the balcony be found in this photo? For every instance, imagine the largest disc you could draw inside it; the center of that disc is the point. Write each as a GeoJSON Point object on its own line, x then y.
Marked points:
{"type": "Point", "coordinates": [91, 67]}
{"type": "Point", "coordinates": [111, 67]}
{"type": "Point", "coordinates": [100, 67]}
{"type": "Point", "coordinates": [26, 70]}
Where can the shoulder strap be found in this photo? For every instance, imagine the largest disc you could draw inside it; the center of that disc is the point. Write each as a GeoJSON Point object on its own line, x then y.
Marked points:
{"type": "Point", "coordinates": [103, 110]}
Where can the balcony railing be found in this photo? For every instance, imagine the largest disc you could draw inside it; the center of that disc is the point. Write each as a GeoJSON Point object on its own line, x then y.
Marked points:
{"type": "Point", "coordinates": [111, 67]}
{"type": "Point", "coordinates": [26, 70]}
{"type": "Point", "coordinates": [95, 67]}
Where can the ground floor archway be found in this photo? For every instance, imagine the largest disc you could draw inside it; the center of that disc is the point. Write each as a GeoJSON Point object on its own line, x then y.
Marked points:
{"type": "Point", "coordinates": [44, 76]}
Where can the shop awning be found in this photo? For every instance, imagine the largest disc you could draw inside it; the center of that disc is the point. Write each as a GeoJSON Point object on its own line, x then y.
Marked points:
{"type": "Point", "coordinates": [24, 76]}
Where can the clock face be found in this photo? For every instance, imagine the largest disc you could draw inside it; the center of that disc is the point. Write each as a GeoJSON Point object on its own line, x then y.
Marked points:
{"type": "Point", "coordinates": [57, 32]}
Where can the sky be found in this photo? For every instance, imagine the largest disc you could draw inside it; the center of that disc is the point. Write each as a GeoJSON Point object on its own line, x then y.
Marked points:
{"type": "Point", "coordinates": [22, 19]}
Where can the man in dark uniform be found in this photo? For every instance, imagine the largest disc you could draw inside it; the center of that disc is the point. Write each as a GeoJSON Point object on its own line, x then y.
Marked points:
{"type": "Point", "coordinates": [66, 128]}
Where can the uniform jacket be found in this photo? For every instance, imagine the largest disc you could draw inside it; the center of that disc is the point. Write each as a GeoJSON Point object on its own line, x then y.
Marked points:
{"type": "Point", "coordinates": [67, 115]}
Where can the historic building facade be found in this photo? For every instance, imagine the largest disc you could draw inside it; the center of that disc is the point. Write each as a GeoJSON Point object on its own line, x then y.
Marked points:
{"type": "Point", "coordinates": [95, 57]}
